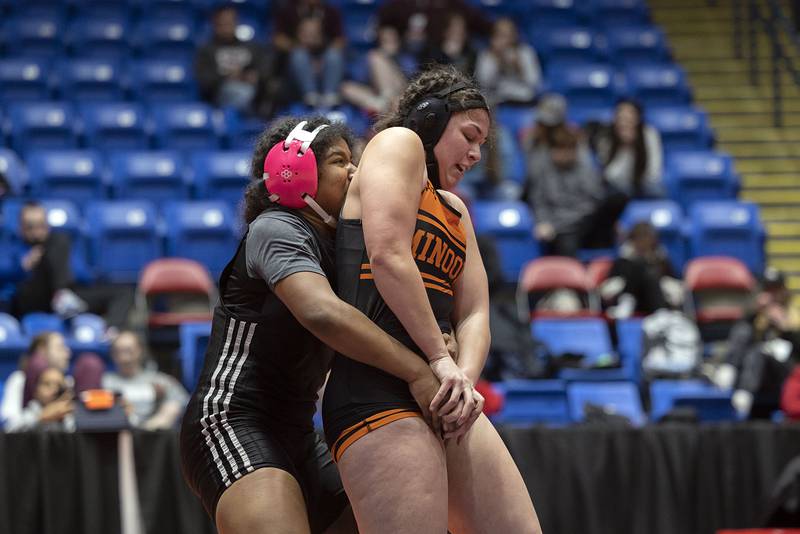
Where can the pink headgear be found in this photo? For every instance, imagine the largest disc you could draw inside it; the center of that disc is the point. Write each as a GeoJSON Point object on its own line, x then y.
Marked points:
{"type": "Point", "coordinates": [290, 171]}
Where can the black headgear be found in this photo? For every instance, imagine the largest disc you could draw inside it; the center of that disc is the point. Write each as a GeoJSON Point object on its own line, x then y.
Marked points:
{"type": "Point", "coordinates": [429, 118]}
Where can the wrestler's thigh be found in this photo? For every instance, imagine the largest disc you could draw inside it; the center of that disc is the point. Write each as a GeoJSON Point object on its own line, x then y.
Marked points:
{"type": "Point", "coordinates": [486, 491]}
{"type": "Point", "coordinates": [396, 480]}
{"type": "Point", "coordinates": [268, 500]}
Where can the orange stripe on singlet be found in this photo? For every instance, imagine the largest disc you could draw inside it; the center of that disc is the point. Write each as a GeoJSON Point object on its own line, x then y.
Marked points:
{"type": "Point", "coordinates": [435, 279]}
{"type": "Point", "coordinates": [353, 433]}
{"type": "Point", "coordinates": [441, 227]}
{"type": "Point", "coordinates": [429, 285]}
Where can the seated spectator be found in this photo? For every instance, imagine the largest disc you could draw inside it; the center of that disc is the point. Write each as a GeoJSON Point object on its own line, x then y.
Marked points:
{"type": "Point", "coordinates": [630, 153]}
{"type": "Point", "coordinates": [422, 22]}
{"type": "Point", "coordinates": [51, 406]}
{"type": "Point", "coordinates": [156, 400]}
{"type": "Point", "coordinates": [310, 31]}
{"type": "Point", "coordinates": [387, 75]}
{"type": "Point", "coordinates": [760, 348]}
{"type": "Point", "coordinates": [641, 279]}
{"type": "Point", "coordinates": [453, 46]}
{"type": "Point", "coordinates": [44, 277]}
{"type": "Point", "coordinates": [47, 349]}
{"type": "Point", "coordinates": [569, 200]}
{"type": "Point", "coordinates": [508, 70]}
{"type": "Point", "coordinates": [231, 72]}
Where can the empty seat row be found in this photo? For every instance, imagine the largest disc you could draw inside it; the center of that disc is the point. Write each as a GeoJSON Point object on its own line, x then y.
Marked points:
{"type": "Point", "coordinates": [712, 227]}
{"type": "Point", "coordinates": [160, 175]}
{"type": "Point", "coordinates": [114, 240]}
{"type": "Point", "coordinates": [557, 402]}
{"type": "Point", "coordinates": [26, 79]}
{"type": "Point", "coordinates": [595, 85]}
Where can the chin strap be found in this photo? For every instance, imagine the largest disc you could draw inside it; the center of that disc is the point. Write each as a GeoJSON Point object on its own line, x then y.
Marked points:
{"type": "Point", "coordinates": [330, 221]}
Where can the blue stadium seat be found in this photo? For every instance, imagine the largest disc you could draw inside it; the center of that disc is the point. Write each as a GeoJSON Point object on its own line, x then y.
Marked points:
{"type": "Point", "coordinates": [552, 13]}
{"type": "Point", "coordinates": [359, 26]}
{"type": "Point", "coordinates": [194, 340]}
{"type": "Point", "coordinates": [171, 9]}
{"type": "Point", "coordinates": [515, 119]}
{"type": "Point", "coordinates": [621, 398]}
{"type": "Point", "coordinates": [75, 175]}
{"type": "Point", "coordinates": [586, 336]}
{"type": "Point", "coordinates": [24, 80]}
{"type": "Point", "coordinates": [681, 127]}
{"type": "Point", "coordinates": [709, 402]}
{"type": "Point", "coordinates": [637, 44]}
{"type": "Point", "coordinates": [12, 344]}
{"type": "Point", "coordinates": [510, 223]}
{"type": "Point", "coordinates": [591, 84]}
{"type": "Point", "coordinates": [187, 126]}
{"type": "Point", "coordinates": [43, 125]}
{"type": "Point", "coordinates": [96, 79]}
{"type": "Point", "coordinates": [122, 238]}
{"type": "Point", "coordinates": [62, 216]}
{"type": "Point", "coordinates": [165, 38]}
{"type": "Point", "coordinates": [564, 45]}
{"type": "Point", "coordinates": [38, 322]}
{"type": "Point", "coordinates": [34, 35]}
{"type": "Point", "coordinates": [155, 175]}
{"type": "Point", "coordinates": [690, 176]}
{"type": "Point", "coordinates": [728, 228]}
{"type": "Point", "coordinates": [13, 168]}
{"type": "Point", "coordinates": [630, 338]}
{"type": "Point", "coordinates": [667, 218]}
{"type": "Point", "coordinates": [580, 114]}
{"type": "Point", "coordinates": [611, 14]}
{"type": "Point", "coordinates": [221, 175]}
{"type": "Point", "coordinates": [658, 85]}
{"type": "Point", "coordinates": [154, 80]}
{"type": "Point", "coordinates": [100, 36]}
{"type": "Point", "coordinates": [241, 131]}
{"type": "Point", "coordinates": [87, 333]}
{"type": "Point", "coordinates": [115, 126]}
{"type": "Point", "coordinates": [203, 231]}
{"type": "Point", "coordinates": [533, 401]}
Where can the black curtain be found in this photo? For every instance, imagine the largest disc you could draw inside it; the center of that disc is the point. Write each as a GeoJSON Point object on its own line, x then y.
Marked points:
{"type": "Point", "coordinates": [54, 483]}
{"type": "Point", "coordinates": [659, 480]}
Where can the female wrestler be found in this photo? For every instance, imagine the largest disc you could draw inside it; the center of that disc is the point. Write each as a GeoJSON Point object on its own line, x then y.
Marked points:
{"type": "Point", "coordinates": [407, 257]}
{"type": "Point", "coordinates": [248, 445]}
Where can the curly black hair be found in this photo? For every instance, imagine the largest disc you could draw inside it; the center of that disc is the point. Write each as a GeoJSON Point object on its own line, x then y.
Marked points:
{"type": "Point", "coordinates": [256, 199]}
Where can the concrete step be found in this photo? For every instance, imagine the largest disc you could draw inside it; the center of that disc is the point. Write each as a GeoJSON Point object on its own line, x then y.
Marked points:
{"type": "Point", "coordinates": [776, 197]}
{"type": "Point", "coordinates": [729, 119]}
{"type": "Point", "coordinates": [785, 263]}
{"type": "Point", "coordinates": [780, 213]}
{"type": "Point", "coordinates": [770, 180]}
{"type": "Point", "coordinates": [762, 150]}
{"type": "Point", "coordinates": [783, 246]}
{"type": "Point", "coordinates": [759, 135]}
{"type": "Point", "coordinates": [765, 165]}
{"type": "Point", "coordinates": [784, 229]}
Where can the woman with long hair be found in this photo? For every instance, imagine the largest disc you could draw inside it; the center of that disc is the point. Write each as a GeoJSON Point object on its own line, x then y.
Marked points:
{"type": "Point", "coordinates": [407, 257]}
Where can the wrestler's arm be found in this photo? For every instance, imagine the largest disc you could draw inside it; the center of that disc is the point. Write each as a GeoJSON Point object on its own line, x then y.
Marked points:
{"type": "Point", "coordinates": [470, 315]}
{"type": "Point", "coordinates": [390, 184]}
{"type": "Point", "coordinates": [344, 328]}
{"type": "Point", "coordinates": [390, 175]}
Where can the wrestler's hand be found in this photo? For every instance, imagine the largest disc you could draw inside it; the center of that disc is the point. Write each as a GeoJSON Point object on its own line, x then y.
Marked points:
{"type": "Point", "coordinates": [424, 389]}
{"type": "Point", "coordinates": [454, 428]}
{"type": "Point", "coordinates": [456, 387]}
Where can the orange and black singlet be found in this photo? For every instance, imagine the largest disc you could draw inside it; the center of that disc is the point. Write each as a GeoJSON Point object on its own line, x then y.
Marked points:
{"type": "Point", "coordinates": [360, 397]}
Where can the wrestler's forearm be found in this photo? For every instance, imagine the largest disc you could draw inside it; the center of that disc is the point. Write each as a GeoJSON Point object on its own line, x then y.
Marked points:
{"type": "Point", "coordinates": [351, 333]}
{"type": "Point", "coordinates": [473, 337]}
